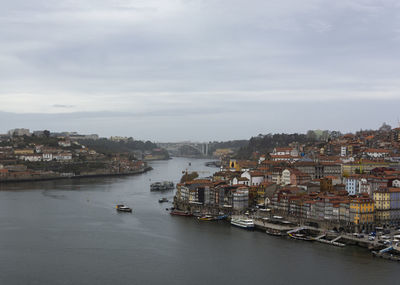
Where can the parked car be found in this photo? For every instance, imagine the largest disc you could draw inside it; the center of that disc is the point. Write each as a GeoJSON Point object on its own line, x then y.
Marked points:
{"type": "Point", "coordinates": [371, 238]}
{"type": "Point", "coordinates": [385, 237]}
{"type": "Point", "coordinates": [385, 232]}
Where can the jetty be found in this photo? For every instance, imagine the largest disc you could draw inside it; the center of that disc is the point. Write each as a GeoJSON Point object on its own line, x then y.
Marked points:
{"type": "Point", "coordinates": [387, 253]}
{"type": "Point", "coordinates": [323, 239]}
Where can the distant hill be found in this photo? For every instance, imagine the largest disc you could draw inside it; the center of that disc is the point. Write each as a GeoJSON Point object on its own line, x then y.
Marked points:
{"type": "Point", "coordinates": [107, 146]}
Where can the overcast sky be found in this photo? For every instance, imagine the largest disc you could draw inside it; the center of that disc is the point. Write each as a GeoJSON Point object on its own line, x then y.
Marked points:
{"type": "Point", "coordinates": [168, 70]}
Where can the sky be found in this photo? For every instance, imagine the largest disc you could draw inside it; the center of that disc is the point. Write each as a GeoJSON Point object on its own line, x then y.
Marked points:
{"type": "Point", "coordinates": [171, 70]}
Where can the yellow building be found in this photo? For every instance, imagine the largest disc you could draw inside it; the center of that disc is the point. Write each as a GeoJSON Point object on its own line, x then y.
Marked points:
{"type": "Point", "coordinates": [234, 165]}
{"type": "Point", "coordinates": [362, 210]}
{"type": "Point", "coordinates": [265, 191]}
{"type": "Point", "coordinates": [382, 206]}
{"type": "Point", "coordinates": [361, 167]}
{"type": "Point", "coordinates": [23, 151]}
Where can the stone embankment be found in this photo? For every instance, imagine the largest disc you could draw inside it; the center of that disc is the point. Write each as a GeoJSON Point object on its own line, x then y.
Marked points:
{"type": "Point", "coordinates": [57, 176]}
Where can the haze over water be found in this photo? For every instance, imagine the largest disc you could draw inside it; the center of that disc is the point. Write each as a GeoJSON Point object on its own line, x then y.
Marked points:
{"type": "Point", "coordinates": [68, 232]}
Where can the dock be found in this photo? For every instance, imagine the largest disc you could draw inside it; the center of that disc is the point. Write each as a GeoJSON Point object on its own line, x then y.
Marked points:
{"type": "Point", "coordinates": [322, 239]}
{"type": "Point", "coordinates": [387, 253]}
{"type": "Point", "coordinates": [284, 228]}
{"type": "Point", "coordinates": [262, 225]}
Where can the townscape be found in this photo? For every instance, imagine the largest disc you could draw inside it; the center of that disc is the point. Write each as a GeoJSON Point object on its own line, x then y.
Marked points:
{"type": "Point", "coordinates": [332, 188]}
{"type": "Point", "coordinates": [42, 155]}
{"type": "Point", "coordinates": [344, 184]}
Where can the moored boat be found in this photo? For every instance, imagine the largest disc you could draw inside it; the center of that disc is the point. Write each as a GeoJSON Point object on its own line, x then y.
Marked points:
{"type": "Point", "coordinates": [123, 208]}
{"type": "Point", "coordinates": [300, 237]}
{"type": "Point", "coordinates": [162, 200]}
{"type": "Point", "coordinates": [243, 223]}
{"type": "Point", "coordinates": [180, 213]}
{"type": "Point", "coordinates": [161, 186]}
{"type": "Point", "coordinates": [207, 218]}
{"type": "Point", "coordinates": [274, 232]}
{"type": "Point", "coordinates": [221, 217]}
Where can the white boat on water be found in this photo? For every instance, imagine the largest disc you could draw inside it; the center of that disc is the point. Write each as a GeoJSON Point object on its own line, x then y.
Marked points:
{"type": "Point", "coordinates": [243, 223]}
{"type": "Point", "coordinates": [123, 208]}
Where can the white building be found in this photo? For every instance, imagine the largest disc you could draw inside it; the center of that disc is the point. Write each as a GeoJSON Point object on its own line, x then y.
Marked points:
{"type": "Point", "coordinates": [63, 156]}
{"type": "Point", "coordinates": [396, 183]}
{"type": "Point", "coordinates": [285, 151]}
{"type": "Point", "coordinates": [31, 157]}
{"type": "Point", "coordinates": [241, 199]}
{"type": "Point", "coordinates": [255, 178]}
{"type": "Point", "coordinates": [47, 156]}
{"type": "Point", "coordinates": [364, 186]}
{"type": "Point", "coordinates": [19, 132]}
{"type": "Point", "coordinates": [240, 181]}
{"type": "Point", "coordinates": [352, 185]}
{"type": "Point", "coordinates": [343, 151]}
{"type": "Point", "coordinates": [377, 152]}
{"type": "Point", "coordinates": [65, 143]}
{"type": "Point", "coordinates": [285, 180]}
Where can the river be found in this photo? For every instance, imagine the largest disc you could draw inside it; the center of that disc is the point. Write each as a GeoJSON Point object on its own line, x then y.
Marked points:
{"type": "Point", "coordinates": [68, 232]}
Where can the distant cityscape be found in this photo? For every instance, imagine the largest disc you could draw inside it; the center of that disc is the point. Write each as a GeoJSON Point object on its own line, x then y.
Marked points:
{"type": "Point", "coordinates": [41, 155]}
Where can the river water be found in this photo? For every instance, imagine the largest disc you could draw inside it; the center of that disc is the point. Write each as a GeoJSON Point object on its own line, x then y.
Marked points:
{"type": "Point", "coordinates": [68, 232]}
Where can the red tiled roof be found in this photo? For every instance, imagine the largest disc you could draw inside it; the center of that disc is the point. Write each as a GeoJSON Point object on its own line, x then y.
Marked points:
{"type": "Point", "coordinates": [377, 150]}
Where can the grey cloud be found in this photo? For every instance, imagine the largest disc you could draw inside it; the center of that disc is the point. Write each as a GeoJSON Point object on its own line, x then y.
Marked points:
{"type": "Point", "coordinates": [63, 106]}
{"type": "Point", "coordinates": [221, 122]}
{"type": "Point", "coordinates": [187, 57]}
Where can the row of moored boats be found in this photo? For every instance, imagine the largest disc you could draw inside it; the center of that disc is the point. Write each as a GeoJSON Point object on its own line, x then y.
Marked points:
{"type": "Point", "coordinates": [239, 222]}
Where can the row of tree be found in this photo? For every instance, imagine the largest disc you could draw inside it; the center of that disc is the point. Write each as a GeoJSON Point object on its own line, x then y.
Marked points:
{"type": "Point", "coordinates": [266, 143]}
{"type": "Point", "coordinates": [106, 146]}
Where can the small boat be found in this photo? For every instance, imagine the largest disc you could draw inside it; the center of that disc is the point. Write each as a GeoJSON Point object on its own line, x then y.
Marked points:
{"type": "Point", "coordinates": [221, 217]}
{"type": "Point", "coordinates": [162, 186]}
{"type": "Point", "coordinates": [180, 213]}
{"type": "Point", "coordinates": [274, 232]}
{"type": "Point", "coordinates": [155, 186]}
{"type": "Point", "coordinates": [300, 237]}
{"type": "Point", "coordinates": [162, 200]}
{"type": "Point", "coordinates": [243, 223]}
{"type": "Point", "coordinates": [207, 218]}
{"type": "Point", "coordinates": [123, 208]}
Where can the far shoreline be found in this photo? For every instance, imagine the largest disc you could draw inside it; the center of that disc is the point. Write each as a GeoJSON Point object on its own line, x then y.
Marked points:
{"type": "Point", "coordinates": [40, 179]}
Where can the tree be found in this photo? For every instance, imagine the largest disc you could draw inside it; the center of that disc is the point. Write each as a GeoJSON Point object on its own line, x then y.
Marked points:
{"type": "Point", "coordinates": [311, 135]}
{"type": "Point", "coordinates": [46, 133]}
{"type": "Point", "coordinates": [385, 128]}
{"type": "Point", "coordinates": [324, 135]}
{"type": "Point", "coordinates": [189, 176]}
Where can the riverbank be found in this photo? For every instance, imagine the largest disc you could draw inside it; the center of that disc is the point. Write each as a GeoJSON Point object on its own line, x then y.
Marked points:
{"type": "Point", "coordinates": [59, 177]}
{"type": "Point", "coordinates": [278, 226]}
